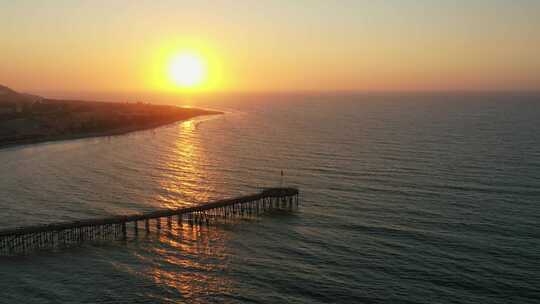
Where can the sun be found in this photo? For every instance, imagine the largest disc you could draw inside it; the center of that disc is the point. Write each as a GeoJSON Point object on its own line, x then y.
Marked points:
{"type": "Point", "coordinates": [187, 70]}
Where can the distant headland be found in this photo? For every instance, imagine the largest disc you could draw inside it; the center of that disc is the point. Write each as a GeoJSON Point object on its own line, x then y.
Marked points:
{"type": "Point", "coordinates": [26, 119]}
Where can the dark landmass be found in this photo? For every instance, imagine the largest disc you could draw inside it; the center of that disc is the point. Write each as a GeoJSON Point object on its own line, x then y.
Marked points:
{"type": "Point", "coordinates": [26, 119]}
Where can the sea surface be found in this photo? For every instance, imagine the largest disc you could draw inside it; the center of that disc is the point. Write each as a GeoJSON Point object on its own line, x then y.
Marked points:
{"type": "Point", "coordinates": [426, 198]}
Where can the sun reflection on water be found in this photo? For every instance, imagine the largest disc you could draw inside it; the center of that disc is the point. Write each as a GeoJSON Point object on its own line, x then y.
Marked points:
{"type": "Point", "coordinates": [191, 260]}
{"type": "Point", "coordinates": [188, 261]}
{"type": "Point", "coordinates": [183, 174]}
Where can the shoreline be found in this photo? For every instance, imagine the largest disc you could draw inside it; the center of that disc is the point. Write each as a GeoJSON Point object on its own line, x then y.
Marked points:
{"type": "Point", "coordinates": [116, 132]}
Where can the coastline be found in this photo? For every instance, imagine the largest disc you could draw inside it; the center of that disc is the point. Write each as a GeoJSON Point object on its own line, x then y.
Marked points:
{"type": "Point", "coordinates": [115, 132]}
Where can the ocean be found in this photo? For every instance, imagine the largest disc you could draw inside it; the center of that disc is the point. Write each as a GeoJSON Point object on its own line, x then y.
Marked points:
{"type": "Point", "coordinates": [405, 198]}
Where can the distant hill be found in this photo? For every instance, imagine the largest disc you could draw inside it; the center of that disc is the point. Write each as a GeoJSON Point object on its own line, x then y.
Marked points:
{"type": "Point", "coordinates": [8, 95]}
{"type": "Point", "coordinates": [6, 92]}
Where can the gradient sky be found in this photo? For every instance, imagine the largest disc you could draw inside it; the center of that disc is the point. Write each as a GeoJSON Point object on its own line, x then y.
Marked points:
{"type": "Point", "coordinates": [273, 45]}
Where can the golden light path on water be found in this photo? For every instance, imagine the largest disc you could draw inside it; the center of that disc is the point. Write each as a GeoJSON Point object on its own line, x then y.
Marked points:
{"type": "Point", "coordinates": [183, 173]}
{"type": "Point", "coordinates": [187, 258]}
{"type": "Point", "coordinates": [192, 257]}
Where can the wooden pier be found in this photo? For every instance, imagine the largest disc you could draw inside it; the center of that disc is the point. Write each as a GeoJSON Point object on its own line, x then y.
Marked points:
{"type": "Point", "coordinates": [59, 235]}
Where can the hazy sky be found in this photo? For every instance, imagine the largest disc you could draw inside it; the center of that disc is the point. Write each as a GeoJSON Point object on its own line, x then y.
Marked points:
{"type": "Point", "coordinates": [272, 45]}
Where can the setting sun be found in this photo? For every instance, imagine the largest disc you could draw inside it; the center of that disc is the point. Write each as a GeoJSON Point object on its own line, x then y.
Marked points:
{"type": "Point", "coordinates": [187, 70]}
{"type": "Point", "coordinates": [185, 66]}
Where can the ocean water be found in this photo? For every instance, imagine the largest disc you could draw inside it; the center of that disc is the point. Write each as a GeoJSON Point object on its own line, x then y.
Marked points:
{"type": "Point", "coordinates": [404, 199]}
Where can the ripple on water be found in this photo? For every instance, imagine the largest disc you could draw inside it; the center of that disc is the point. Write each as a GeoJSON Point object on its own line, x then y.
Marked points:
{"type": "Point", "coordinates": [404, 199]}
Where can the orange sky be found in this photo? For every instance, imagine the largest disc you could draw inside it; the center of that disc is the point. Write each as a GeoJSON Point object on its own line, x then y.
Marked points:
{"type": "Point", "coordinates": [301, 45]}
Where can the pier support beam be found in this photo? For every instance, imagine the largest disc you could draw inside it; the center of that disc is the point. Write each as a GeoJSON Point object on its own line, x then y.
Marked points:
{"type": "Point", "coordinates": [124, 231]}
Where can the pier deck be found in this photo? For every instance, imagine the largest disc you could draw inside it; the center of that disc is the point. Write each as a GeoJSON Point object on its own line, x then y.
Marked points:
{"type": "Point", "coordinates": [57, 235]}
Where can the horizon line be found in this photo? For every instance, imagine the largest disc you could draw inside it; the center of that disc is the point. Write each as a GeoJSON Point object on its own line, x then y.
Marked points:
{"type": "Point", "coordinates": [290, 92]}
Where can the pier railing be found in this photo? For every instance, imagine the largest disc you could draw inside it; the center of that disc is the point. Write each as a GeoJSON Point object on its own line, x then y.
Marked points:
{"type": "Point", "coordinates": [58, 235]}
